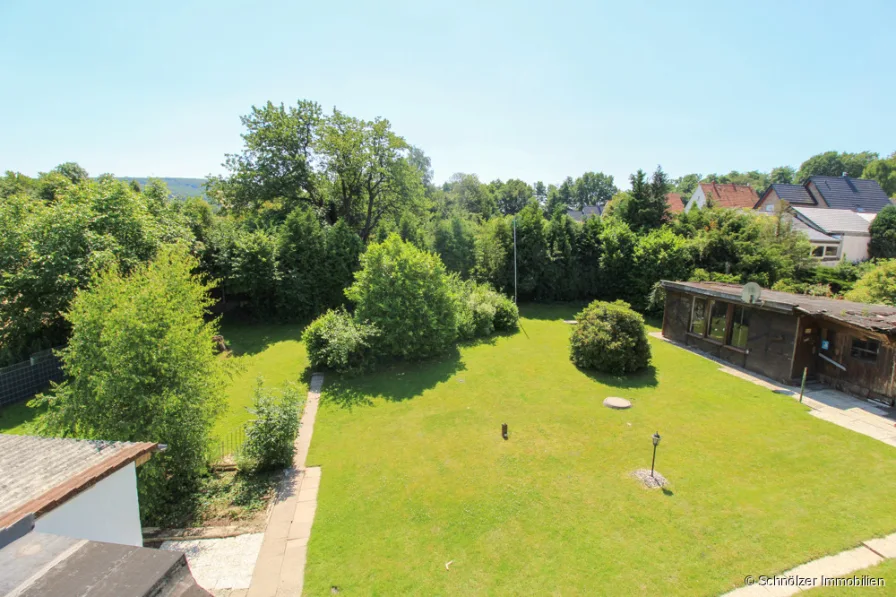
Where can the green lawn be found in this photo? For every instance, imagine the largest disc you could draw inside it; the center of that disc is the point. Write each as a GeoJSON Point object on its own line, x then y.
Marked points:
{"type": "Point", "coordinates": [274, 352]}
{"type": "Point", "coordinates": [415, 474]}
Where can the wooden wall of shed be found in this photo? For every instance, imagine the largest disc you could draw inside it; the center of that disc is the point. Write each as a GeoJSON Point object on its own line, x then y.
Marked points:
{"type": "Point", "coordinates": [677, 316]}
{"type": "Point", "coordinates": [861, 378]}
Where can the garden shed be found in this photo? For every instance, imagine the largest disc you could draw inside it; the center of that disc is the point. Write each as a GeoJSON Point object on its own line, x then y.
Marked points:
{"type": "Point", "coordinates": [850, 346]}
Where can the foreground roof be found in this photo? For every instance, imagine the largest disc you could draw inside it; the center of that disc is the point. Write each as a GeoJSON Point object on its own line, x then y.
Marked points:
{"type": "Point", "coordinates": [795, 194]}
{"type": "Point", "coordinates": [843, 192]}
{"type": "Point", "coordinates": [833, 221]}
{"type": "Point", "coordinates": [39, 473]}
{"type": "Point", "coordinates": [730, 195]}
{"type": "Point", "coordinates": [876, 318]}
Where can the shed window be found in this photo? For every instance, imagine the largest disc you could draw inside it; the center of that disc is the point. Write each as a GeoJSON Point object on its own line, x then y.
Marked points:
{"type": "Point", "coordinates": [865, 350]}
{"type": "Point", "coordinates": [698, 317]}
{"type": "Point", "coordinates": [718, 321]}
{"type": "Point", "coordinates": [740, 327]}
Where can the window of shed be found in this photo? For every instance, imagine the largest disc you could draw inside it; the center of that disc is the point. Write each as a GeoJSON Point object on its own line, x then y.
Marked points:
{"type": "Point", "coordinates": [740, 327]}
{"type": "Point", "coordinates": [698, 317]}
{"type": "Point", "coordinates": [718, 321]}
{"type": "Point", "coordinates": [865, 350]}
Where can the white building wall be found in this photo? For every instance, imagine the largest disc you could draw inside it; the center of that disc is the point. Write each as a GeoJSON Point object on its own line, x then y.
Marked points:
{"type": "Point", "coordinates": [698, 199]}
{"type": "Point", "coordinates": [854, 247]}
{"type": "Point", "coordinates": [108, 512]}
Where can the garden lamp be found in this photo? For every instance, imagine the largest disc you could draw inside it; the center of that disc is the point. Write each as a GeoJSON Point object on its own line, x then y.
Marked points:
{"type": "Point", "coordinates": [656, 442]}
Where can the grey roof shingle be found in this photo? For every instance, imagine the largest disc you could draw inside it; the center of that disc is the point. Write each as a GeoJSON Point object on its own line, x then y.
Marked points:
{"type": "Point", "coordinates": [30, 467]}
{"type": "Point", "coordinates": [843, 192]}
{"type": "Point", "coordinates": [795, 194]}
{"type": "Point", "coordinates": [814, 234]}
{"type": "Point", "coordinates": [833, 221]}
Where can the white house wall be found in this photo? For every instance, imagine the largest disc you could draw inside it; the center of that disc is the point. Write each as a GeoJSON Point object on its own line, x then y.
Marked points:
{"type": "Point", "coordinates": [698, 199]}
{"type": "Point", "coordinates": [108, 512]}
{"type": "Point", "coordinates": [854, 247]}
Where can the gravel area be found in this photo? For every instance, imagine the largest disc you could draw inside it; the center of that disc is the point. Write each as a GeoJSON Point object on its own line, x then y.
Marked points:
{"type": "Point", "coordinates": [220, 563]}
{"type": "Point", "coordinates": [652, 482]}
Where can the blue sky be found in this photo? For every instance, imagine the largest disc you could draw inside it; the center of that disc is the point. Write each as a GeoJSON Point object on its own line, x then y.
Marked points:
{"type": "Point", "coordinates": [505, 90]}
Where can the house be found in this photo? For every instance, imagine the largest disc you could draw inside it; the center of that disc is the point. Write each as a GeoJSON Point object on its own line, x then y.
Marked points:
{"type": "Point", "coordinates": [851, 230]}
{"type": "Point", "coordinates": [586, 212]}
{"type": "Point", "coordinates": [732, 196]}
{"type": "Point", "coordinates": [674, 203]}
{"type": "Point", "coordinates": [828, 192]}
{"type": "Point", "coordinates": [825, 248]}
{"type": "Point", "coordinates": [851, 346]}
{"type": "Point", "coordinates": [83, 489]}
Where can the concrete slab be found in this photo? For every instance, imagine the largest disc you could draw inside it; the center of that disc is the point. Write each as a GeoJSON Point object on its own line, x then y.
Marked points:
{"type": "Point", "coordinates": [885, 546]}
{"type": "Point", "coordinates": [220, 563]}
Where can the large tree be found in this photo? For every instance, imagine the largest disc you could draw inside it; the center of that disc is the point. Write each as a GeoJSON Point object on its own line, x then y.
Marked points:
{"type": "Point", "coordinates": [883, 234]}
{"type": "Point", "coordinates": [593, 188]}
{"type": "Point", "coordinates": [832, 163]}
{"type": "Point", "coordinates": [140, 366]}
{"type": "Point", "coordinates": [884, 172]}
{"type": "Point", "coordinates": [645, 208]}
{"type": "Point", "coordinates": [511, 196]}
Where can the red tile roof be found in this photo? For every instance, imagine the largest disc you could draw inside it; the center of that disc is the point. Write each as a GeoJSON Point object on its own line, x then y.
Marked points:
{"type": "Point", "coordinates": [674, 203]}
{"type": "Point", "coordinates": [730, 195]}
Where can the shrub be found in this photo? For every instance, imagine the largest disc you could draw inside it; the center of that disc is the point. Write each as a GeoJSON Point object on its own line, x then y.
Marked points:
{"type": "Point", "coordinates": [481, 310]}
{"type": "Point", "coordinates": [408, 295]}
{"type": "Point", "coordinates": [883, 234]}
{"type": "Point", "coordinates": [878, 285]}
{"type": "Point", "coordinates": [271, 435]}
{"type": "Point", "coordinates": [141, 366]}
{"type": "Point", "coordinates": [507, 315]}
{"type": "Point", "coordinates": [336, 341]}
{"type": "Point", "coordinates": [611, 338]}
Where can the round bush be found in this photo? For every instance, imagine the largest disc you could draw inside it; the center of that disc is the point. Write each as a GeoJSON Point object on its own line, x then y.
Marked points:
{"type": "Point", "coordinates": [336, 341]}
{"type": "Point", "coordinates": [610, 338]}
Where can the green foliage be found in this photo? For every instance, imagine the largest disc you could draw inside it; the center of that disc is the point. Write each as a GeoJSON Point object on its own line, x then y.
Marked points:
{"type": "Point", "coordinates": [454, 240]}
{"type": "Point", "coordinates": [336, 341]}
{"type": "Point", "coordinates": [611, 338]}
{"type": "Point", "coordinates": [494, 254]}
{"type": "Point", "coordinates": [271, 435]}
{"type": "Point", "coordinates": [560, 278]}
{"type": "Point", "coordinates": [140, 366]}
{"type": "Point", "coordinates": [592, 188]}
{"type": "Point", "coordinates": [50, 249]}
{"type": "Point", "coordinates": [407, 294]}
{"type": "Point", "coordinates": [302, 265]}
{"type": "Point", "coordinates": [659, 255]}
{"type": "Point", "coordinates": [779, 175]}
{"type": "Point", "coordinates": [883, 234]}
{"type": "Point", "coordinates": [877, 285]}
{"type": "Point", "coordinates": [511, 196]}
{"type": "Point", "coordinates": [481, 311]}
{"type": "Point", "coordinates": [832, 163]}
{"type": "Point", "coordinates": [531, 251]}
{"type": "Point", "coordinates": [645, 206]}
{"type": "Point", "coordinates": [884, 172]}
{"type": "Point", "coordinates": [255, 269]}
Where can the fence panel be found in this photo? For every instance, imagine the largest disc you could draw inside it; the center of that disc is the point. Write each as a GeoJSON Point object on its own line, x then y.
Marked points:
{"type": "Point", "coordinates": [23, 380]}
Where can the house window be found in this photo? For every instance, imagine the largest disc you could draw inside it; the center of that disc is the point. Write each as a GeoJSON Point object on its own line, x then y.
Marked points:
{"type": "Point", "coordinates": [740, 327]}
{"type": "Point", "coordinates": [818, 251]}
{"type": "Point", "coordinates": [830, 251]}
{"type": "Point", "coordinates": [718, 321]}
{"type": "Point", "coordinates": [698, 317]}
{"type": "Point", "coordinates": [865, 350]}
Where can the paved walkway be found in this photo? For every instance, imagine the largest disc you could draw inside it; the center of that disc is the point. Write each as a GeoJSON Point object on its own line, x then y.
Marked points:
{"type": "Point", "coordinates": [825, 403]}
{"type": "Point", "coordinates": [219, 564]}
{"type": "Point", "coordinates": [813, 574]}
{"type": "Point", "coordinates": [280, 568]}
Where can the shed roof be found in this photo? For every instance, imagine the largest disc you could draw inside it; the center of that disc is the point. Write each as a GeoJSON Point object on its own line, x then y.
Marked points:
{"type": "Point", "coordinates": [795, 194]}
{"type": "Point", "coordinates": [844, 192]}
{"type": "Point", "coordinates": [39, 473]}
{"type": "Point", "coordinates": [876, 318]}
{"type": "Point", "coordinates": [833, 221]}
{"type": "Point", "coordinates": [730, 195]}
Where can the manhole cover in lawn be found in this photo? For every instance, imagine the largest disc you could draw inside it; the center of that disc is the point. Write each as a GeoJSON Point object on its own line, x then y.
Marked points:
{"type": "Point", "coordinates": [617, 403]}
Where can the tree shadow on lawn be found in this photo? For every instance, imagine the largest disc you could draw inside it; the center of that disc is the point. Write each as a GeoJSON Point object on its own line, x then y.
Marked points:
{"type": "Point", "coordinates": [250, 338]}
{"type": "Point", "coordinates": [642, 379]}
{"type": "Point", "coordinates": [551, 311]}
{"type": "Point", "coordinates": [396, 382]}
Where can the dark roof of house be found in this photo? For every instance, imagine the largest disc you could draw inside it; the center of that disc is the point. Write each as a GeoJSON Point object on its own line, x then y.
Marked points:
{"type": "Point", "coordinates": [876, 318]}
{"type": "Point", "coordinates": [730, 195]}
{"type": "Point", "coordinates": [586, 212]}
{"type": "Point", "coordinates": [39, 473]}
{"type": "Point", "coordinates": [795, 194]}
{"type": "Point", "coordinates": [674, 204]}
{"type": "Point", "coordinates": [44, 565]}
{"type": "Point", "coordinates": [857, 194]}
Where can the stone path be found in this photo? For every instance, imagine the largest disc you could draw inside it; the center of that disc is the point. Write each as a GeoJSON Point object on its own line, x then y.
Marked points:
{"type": "Point", "coordinates": [845, 563]}
{"type": "Point", "coordinates": [220, 563]}
{"type": "Point", "coordinates": [827, 404]}
{"type": "Point", "coordinates": [280, 568]}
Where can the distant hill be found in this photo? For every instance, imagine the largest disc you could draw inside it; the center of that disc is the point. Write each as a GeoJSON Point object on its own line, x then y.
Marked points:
{"type": "Point", "coordinates": [180, 187]}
